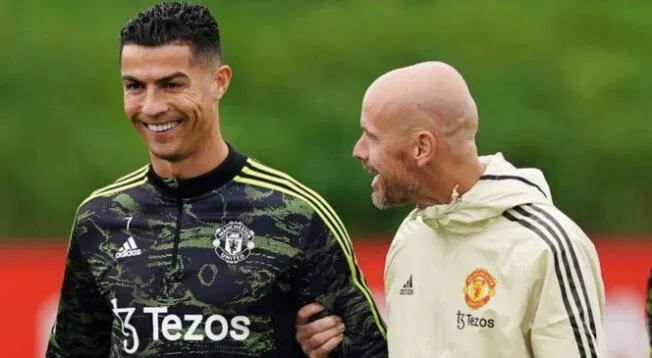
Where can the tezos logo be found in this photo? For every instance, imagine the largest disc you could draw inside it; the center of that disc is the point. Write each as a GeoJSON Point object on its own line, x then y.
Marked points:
{"type": "Point", "coordinates": [464, 320]}
{"type": "Point", "coordinates": [190, 327]}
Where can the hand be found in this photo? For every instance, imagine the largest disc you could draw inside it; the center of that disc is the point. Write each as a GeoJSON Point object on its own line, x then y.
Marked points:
{"type": "Point", "coordinates": [320, 337]}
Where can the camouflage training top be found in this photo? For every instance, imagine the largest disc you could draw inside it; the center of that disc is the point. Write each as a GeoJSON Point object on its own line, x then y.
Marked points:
{"type": "Point", "coordinates": [214, 266]}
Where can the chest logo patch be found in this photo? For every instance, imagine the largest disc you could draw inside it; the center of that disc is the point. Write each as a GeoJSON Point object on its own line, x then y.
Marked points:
{"type": "Point", "coordinates": [233, 242]}
{"type": "Point", "coordinates": [479, 287]}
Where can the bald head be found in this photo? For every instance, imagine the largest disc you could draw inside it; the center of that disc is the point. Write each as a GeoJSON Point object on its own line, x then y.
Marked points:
{"type": "Point", "coordinates": [428, 95]}
{"type": "Point", "coordinates": [418, 134]}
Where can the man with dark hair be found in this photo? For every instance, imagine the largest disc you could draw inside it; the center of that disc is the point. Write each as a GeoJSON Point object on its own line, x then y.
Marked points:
{"type": "Point", "coordinates": [204, 251]}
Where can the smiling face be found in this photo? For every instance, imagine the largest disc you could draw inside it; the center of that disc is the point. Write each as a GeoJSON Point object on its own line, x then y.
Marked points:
{"type": "Point", "coordinates": [171, 98]}
{"type": "Point", "coordinates": [418, 136]}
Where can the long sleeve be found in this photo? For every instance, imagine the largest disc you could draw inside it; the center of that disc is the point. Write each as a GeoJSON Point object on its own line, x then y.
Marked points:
{"type": "Point", "coordinates": [330, 275]}
{"type": "Point", "coordinates": [84, 318]}
{"type": "Point", "coordinates": [570, 312]}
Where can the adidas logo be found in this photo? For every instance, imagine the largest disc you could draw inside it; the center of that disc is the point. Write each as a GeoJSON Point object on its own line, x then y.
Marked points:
{"type": "Point", "coordinates": [128, 249]}
{"type": "Point", "coordinates": [407, 288]}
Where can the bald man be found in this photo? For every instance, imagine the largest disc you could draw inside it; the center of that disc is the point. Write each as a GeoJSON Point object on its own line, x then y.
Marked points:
{"type": "Point", "coordinates": [485, 265]}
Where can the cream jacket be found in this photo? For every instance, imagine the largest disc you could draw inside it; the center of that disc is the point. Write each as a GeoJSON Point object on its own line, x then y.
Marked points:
{"type": "Point", "coordinates": [498, 272]}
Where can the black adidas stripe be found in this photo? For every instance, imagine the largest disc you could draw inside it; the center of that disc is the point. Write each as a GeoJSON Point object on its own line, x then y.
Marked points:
{"type": "Point", "coordinates": [571, 282]}
{"type": "Point", "coordinates": [576, 265]}
{"type": "Point", "coordinates": [513, 177]}
{"type": "Point", "coordinates": [558, 255]}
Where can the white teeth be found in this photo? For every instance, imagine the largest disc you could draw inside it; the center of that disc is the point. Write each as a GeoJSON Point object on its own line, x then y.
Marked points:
{"type": "Point", "coordinates": [375, 181]}
{"type": "Point", "coordinates": [162, 127]}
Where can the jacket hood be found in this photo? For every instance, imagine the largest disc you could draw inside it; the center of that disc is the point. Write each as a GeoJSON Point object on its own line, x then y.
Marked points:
{"type": "Point", "coordinates": [501, 187]}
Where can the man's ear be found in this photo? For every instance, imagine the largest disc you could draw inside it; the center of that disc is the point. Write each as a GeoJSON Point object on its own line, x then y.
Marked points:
{"type": "Point", "coordinates": [425, 148]}
{"type": "Point", "coordinates": [221, 81]}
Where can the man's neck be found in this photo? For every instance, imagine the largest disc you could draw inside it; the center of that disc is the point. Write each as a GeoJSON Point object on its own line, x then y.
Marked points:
{"type": "Point", "coordinates": [439, 187]}
{"type": "Point", "coordinates": [200, 162]}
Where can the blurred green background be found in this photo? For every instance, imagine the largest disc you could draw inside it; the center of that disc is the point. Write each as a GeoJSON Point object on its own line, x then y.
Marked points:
{"type": "Point", "coordinates": [563, 87]}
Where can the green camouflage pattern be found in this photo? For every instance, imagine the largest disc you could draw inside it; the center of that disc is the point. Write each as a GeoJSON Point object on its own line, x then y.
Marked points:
{"type": "Point", "coordinates": [295, 260]}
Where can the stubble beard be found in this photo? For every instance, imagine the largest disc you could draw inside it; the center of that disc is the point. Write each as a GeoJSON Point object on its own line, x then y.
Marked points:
{"type": "Point", "coordinates": [393, 194]}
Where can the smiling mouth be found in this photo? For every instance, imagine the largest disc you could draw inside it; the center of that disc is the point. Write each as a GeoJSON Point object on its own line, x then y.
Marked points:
{"type": "Point", "coordinates": [161, 128]}
{"type": "Point", "coordinates": [375, 182]}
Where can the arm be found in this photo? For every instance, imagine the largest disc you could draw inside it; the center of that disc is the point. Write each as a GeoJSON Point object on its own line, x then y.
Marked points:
{"type": "Point", "coordinates": [84, 319]}
{"type": "Point", "coordinates": [569, 315]}
{"type": "Point", "coordinates": [330, 276]}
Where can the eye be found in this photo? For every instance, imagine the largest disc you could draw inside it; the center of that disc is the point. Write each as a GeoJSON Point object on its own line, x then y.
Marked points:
{"type": "Point", "coordinates": [372, 138]}
{"type": "Point", "coordinates": [172, 85]}
{"type": "Point", "coordinates": [133, 86]}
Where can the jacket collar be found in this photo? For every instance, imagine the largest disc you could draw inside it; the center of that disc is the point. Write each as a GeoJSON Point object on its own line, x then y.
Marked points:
{"type": "Point", "coordinates": [187, 188]}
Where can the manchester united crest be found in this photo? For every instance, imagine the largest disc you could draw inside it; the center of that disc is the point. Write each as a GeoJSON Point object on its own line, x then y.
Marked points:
{"type": "Point", "coordinates": [233, 242]}
{"type": "Point", "coordinates": [479, 287]}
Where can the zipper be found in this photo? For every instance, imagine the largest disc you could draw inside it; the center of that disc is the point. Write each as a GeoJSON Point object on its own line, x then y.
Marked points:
{"type": "Point", "coordinates": [175, 269]}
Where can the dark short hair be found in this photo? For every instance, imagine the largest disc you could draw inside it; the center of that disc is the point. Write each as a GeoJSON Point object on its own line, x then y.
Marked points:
{"type": "Point", "coordinates": [175, 23]}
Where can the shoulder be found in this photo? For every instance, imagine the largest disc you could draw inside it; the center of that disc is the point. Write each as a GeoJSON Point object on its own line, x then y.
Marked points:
{"type": "Point", "coordinates": [298, 204]}
{"type": "Point", "coordinates": [404, 230]}
{"type": "Point", "coordinates": [411, 226]}
{"type": "Point", "coordinates": [98, 210]}
{"type": "Point", "coordinates": [280, 188]}
{"type": "Point", "coordinates": [547, 225]}
{"type": "Point", "coordinates": [98, 199]}
{"type": "Point", "coordinates": [550, 236]}
{"type": "Point", "coordinates": [409, 229]}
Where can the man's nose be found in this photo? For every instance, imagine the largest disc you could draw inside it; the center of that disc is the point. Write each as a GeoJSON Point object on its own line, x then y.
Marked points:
{"type": "Point", "coordinates": [153, 105]}
{"type": "Point", "coordinates": [359, 150]}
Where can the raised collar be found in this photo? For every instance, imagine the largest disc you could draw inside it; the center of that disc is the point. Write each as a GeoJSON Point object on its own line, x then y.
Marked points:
{"type": "Point", "coordinates": [188, 188]}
